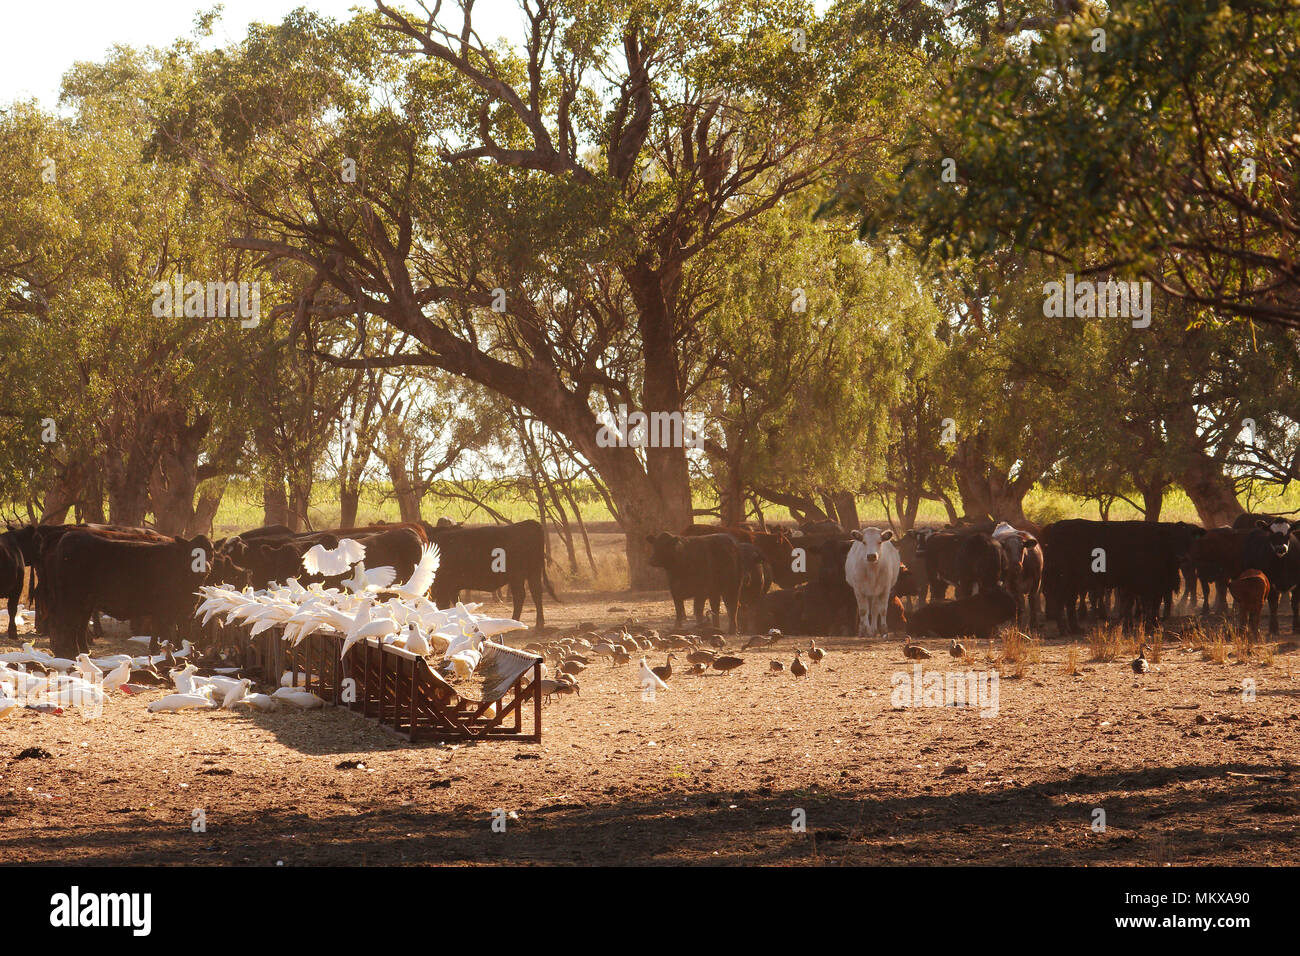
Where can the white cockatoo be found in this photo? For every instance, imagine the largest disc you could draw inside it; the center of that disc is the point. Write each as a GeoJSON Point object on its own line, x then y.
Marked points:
{"type": "Point", "coordinates": [320, 560]}
{"type": "Point", "coordinates": [421, 579]}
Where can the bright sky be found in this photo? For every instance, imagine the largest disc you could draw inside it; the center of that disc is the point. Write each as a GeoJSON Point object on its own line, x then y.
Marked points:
{"type": "Point", "coordinates": [38, 43]}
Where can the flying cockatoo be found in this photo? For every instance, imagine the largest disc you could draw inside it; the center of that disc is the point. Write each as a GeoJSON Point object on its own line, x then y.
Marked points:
{"type": "Point", "coordinates": [422, 577]}
{"type": "Point", "coordinates": [319, 560]}
{"type": "Point", "coordinates": [373, 580]}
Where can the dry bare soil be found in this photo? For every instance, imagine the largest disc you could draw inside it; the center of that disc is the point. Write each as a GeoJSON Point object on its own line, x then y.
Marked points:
{"type": "Point", "coordinates": [712, 771]}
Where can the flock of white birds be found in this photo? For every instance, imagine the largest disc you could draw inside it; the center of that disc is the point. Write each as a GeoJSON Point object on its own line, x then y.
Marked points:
{"type": "Point", "coordinates": [367, 608]}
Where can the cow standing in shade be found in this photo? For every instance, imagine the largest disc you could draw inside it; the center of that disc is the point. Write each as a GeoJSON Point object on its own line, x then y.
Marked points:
{"type": "Point", "coordinates": [704, 568]}
{"type": "Point", "coordinates": [871, 570]}
{"type": "Point", "coordinates": [1273, 549]}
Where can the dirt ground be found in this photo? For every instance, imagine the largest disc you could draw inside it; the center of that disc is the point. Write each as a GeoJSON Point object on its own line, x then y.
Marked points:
{"type": "Point", "coordinates": [718, 769]}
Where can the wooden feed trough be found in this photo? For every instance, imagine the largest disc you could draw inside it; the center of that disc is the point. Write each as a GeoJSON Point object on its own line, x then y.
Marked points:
{"type": "Point", "coordinates": [401, 691]}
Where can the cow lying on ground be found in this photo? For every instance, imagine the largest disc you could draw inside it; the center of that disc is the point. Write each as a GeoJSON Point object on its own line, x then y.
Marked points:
{"type": "Point", "coordinates": [484, 559]}
{"type": "Point", "coordinates": [977, 616]}
{"type": "Point", "coordinates": [704, 568]}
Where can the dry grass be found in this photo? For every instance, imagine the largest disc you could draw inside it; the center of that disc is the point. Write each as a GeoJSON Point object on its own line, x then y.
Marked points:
{"type": "Point", "coordinates": [1104, 643]}
{"type": "Point", "coordinates": [1215, 649]}
{"type": "Point", "coordinates": [1019, 650]}
{"type": "Point", "coordinates": [1071, 665]}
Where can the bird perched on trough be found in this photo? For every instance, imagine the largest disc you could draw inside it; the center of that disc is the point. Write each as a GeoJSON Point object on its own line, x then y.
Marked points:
{"type": "Point", "coordinates": [956, 649]}
{"type": "Point", "coordinates": [331, 563]}
{"type": "Point", "coordinates": [665, 671]}
{"type": "Point", "coordinates": [647, 678]}
{"type": "Point", "coordinates": [797, 667]}
{"type": "Point", "coordinates": [727, 664]}
{"type": "Point", "coordinates": [916, 652]}
{"type": "Point", "coordinates": [416, 642]}
{"type": "Point", "coordinates": [1139, 663]}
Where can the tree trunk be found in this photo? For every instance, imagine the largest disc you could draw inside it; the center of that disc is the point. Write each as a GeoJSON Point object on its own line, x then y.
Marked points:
{"type": "Point", "coordinates": [175, 477]}
{"type": "Point", "coordinates": [1210, 490]}
{"type": "Point", "coordinates": [349, 501]}
{"type": "Point", "coordinates": [846, 506]}
{"type": "Point", "coordinates": [987, 493]}
{"type": "Point", "coordinates": [205, 512]}
{"type": "Point", "coordinates": [1152, 501]}
{"type": "Point", "coordinates": [275, 503]}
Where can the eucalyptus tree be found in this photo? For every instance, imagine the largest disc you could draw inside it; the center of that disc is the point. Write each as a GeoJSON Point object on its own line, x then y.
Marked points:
{"type": "Point", "coordinates": [535, 217]}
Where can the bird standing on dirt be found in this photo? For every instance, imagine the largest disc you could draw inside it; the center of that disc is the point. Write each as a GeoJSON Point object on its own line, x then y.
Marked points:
{"type": "Point", "coordinates": [1139, 663]}
{"type": "Point", "coordinates": [815, 652]}
{"type": "Point", "coordinates": [666, 671]}
{"type": "Point", "coordinates": [647, 679]}
{"type": "Point", "coordinates": [701, 657]}
{"type": "Point", "coordinates": [776, 665]}
{"type": "Point", "coordinates": [797, 666]}
{"type": "Point", "coordinates": [726, 664]}
{"type": "Point", "coordinates": [957, 650]}
{"type": "Point", "coordinates": [915, 652]}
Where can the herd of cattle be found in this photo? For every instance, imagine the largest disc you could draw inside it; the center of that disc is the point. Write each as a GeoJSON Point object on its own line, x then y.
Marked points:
{"type": "Point", "coordinates": [818, 579]}
{"type": "Point", "coordinates": [832, 581]}
{"type": "Point", "coordinates": [77, 572]}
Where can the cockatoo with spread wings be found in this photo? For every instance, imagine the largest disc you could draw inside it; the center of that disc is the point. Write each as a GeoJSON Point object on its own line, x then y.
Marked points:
{"type": "Point", "coordinates": [319, 560]}
{"type": "Point", "coordinates": [373, 580]}
{"type": "Point", "coordinates": [422, 577]}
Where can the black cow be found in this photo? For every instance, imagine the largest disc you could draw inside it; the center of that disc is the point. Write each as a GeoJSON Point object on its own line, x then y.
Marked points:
{"type": "Point", "coordinates": [912, 552]}
{"type": "Point", "coordinates": [1140, 559]}
{"type": "Point", "coordinates": [755, 579]}
{"type": "Point", "coordinates": [1274, 549]}
{"type": "Point", "coordinates": [127, 578]}
{"type": "Point", "coordinates": [484, 559]}
{"type": "Point", "coordinates": [977, 616]}
{"type": "Point", "coordinates": [982, 564]}
{"type": "Point", "coordinates": [12, 571]}
{"type": "Point", "coordinates": [944, 552]}
{"type": "Point", "coordinates": [705, 568]}
{"type": "Point", "coordinates": [783, 609]}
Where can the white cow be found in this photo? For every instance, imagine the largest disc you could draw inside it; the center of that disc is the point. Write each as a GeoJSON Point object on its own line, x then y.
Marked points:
{"type": "Point", "coordinates": [871, 569]}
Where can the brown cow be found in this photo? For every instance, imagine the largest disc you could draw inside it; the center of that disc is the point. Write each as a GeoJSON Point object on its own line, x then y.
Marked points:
{"type": "Point", "coordinates": [1249, 591]}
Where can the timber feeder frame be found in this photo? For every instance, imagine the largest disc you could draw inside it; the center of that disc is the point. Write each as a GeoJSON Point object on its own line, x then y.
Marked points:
{"type": "Point", "coordinates": [401, 691]}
